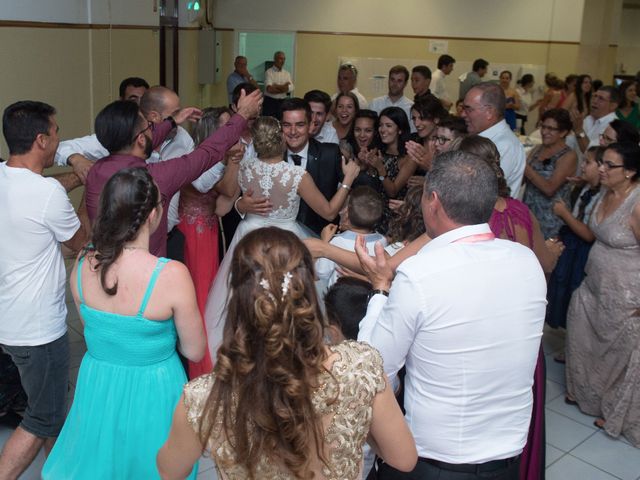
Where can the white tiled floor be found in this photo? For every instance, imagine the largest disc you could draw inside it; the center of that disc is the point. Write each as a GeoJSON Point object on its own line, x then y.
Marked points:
{"type": "Point", "coordinates": [575, 448]}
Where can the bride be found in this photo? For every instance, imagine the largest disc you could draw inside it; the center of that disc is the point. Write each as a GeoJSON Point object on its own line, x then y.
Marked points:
{"type": "Point", "coordinates": [270, 176]}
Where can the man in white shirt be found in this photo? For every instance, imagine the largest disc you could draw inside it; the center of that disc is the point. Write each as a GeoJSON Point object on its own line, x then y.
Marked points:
{"type": "Point", "coordinates": [347, 78]}
{"type": "Point", "coordinates": [36, 216]}
{"type": "Point", "coordinates": [469, 346]}
{"type": "Point", "coordinates": [483, 112]}
{"type": "Point", "coordinates": [398, 78]}
{"type": "Point", "coordinates": [438, 86]}
{"type": "Point", "coordinates": [278, 86]}
{"type": "Point", "coordinates": [320, 129]}
{"type": "Point", "coordinates": [604, 103]}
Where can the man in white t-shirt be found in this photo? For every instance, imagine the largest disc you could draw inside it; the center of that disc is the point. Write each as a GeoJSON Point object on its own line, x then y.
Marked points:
{"type": "Point", "coordinates": [36, 216]}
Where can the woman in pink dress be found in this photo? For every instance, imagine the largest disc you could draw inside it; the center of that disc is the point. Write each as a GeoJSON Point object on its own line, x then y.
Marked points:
{"type": "Point", "coordinates": [199, 225]}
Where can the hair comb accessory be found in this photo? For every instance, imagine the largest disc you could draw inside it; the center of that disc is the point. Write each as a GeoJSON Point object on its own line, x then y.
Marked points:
{"type": "Point", "coordinates": [285, 283]}
{"type": "Point", "coordinates": [284, 286]}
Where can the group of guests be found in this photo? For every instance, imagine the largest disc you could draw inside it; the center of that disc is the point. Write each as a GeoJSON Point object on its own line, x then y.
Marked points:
{"type": "Point", "coordinates": [391, 214]}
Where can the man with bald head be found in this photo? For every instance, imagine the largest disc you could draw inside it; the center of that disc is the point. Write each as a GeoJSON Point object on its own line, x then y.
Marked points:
{"type": "Point", "coordinates": [483, 112]}
{"type": "Point", "coordinates": [239, 75]}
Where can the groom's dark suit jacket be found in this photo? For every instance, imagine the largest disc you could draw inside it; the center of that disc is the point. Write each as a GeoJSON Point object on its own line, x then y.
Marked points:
{"type": "Point", "coordinates": [324, 164]}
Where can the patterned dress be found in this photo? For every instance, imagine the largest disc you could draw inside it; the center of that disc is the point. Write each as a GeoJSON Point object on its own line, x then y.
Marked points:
{"type": "Point", "coordinates": [603, 326]}
{"type": "Point", "coordinates": [279, 182]}
{"type": "Point", "coordinates": [356, 378]}
{"type": "Point", "coordinates": [540, 204]}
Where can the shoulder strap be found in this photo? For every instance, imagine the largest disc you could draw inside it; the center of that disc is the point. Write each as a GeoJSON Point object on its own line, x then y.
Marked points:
{"type": "Point", "coordinates": [152, 282]}
{"type": "Point", "coordinates": [79, 279]}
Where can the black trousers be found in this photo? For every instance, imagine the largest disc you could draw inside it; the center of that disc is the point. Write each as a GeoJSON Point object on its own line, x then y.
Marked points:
{"type": "Point", "coordinates": [498, 470]}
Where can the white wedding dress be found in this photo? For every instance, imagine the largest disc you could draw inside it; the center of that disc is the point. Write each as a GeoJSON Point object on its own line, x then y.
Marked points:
{"type": "Point", "coordinates": [279, 182]}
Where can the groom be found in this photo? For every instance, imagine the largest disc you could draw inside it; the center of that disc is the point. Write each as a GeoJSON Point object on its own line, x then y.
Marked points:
{"type": "Point", "coordinates": [321, 160]}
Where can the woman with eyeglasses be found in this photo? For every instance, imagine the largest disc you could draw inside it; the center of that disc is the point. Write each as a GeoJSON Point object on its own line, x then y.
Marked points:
{"type": "Point", "coordinates": [449, 132]}
{"type": "Point", "coordinates": [603, 322]}
{"type": "Point", "coordinates": [548, 167]}
{"type": "Point", "coordinates": [619, 131]}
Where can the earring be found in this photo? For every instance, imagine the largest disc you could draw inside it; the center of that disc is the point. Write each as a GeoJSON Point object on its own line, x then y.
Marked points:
{"type": "Point", "coordinates": [627, 177]}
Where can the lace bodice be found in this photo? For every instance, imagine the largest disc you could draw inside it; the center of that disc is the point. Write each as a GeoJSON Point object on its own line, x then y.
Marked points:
{"type": "Point", "coordinates": [358, 375]}
{"type": "Point", "coordinates": [277, 181]}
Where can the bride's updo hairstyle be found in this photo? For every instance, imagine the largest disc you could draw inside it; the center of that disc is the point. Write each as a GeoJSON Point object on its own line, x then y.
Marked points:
{"type": "Point", "coordinates": [126, 202]}
{"type": "Point", "coordinates": [271, 356]}
{"type": "Point", "coordinates": [267, 137]}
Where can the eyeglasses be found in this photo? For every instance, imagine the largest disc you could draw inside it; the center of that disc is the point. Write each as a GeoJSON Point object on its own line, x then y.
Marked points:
{"type": "Point", "coordinates": [606, 138]}
{"type": "Point", "coordinates": [608, 165]}
{"type": "Point", "coordinates": [148, 127]}
{"type": "Point", "coordinates": [549, 128]}
{"type": "Point", "coordinates": [439, 140]}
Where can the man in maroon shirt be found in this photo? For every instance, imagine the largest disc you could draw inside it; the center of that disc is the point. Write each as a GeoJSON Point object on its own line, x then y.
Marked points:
{"type": "Point", "coordinates": [130, 139]}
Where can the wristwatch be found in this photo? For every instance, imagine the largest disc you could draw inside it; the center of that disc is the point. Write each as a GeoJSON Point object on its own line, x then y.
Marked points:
{"type": "Point", "coordinates": [376, 292]}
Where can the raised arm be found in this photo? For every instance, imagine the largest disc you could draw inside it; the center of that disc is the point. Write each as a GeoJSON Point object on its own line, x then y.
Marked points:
{"type": "Point", "coordinates": [317, 201]}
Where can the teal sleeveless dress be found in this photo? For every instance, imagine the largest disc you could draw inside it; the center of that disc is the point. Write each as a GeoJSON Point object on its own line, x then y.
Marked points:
{"type": "Point", "coordinates": [129, 384]}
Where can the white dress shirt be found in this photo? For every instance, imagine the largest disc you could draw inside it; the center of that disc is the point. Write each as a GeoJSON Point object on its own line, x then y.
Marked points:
{"type": "Point", "coordinates": [328, 134]}
{"type": "Point", "coordinates": [594, 128]}
{"type": "Point", "coordinates": [438, 85]}
{"type": "Point", "coordinates": [380, 103]}
{"type": "Point", "coordinates": [466, 319]}
{"type": "Point", "coordinates": [304, 153]}
{"type": "Point", "coordinates": [274, 76]}
{"type": "Point", "coordinates": [362, 102]}
{"type": "Point", "coordinates": [512, 156]}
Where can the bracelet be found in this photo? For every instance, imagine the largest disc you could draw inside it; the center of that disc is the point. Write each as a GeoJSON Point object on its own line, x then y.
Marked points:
{"type": "Point", "coordinates": [235, 207]}
{"type": "Point", "coordinates": [347, 187]}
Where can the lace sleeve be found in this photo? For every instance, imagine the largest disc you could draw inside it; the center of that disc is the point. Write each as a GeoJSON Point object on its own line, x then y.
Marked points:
{"type": "Point", "coordinates": [196, 393]}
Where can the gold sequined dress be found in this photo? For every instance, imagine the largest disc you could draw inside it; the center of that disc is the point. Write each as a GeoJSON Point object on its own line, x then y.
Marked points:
{"type": "Point", "coordinates": [359, 376]}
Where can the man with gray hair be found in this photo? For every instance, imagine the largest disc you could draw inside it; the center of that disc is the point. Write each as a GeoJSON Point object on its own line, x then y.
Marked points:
{"type": "Point", "coordinates": [469, 348]}
{"type": "Point", "coordinates": [347, 79]}
{"type": "Point", "coordinates": [483, 112]}
{"type": "Point", "coordinates": [277, 86]}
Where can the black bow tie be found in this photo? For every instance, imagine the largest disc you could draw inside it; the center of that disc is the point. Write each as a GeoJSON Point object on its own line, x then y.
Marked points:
{"type": "Point", "coordinates": [297, 159]}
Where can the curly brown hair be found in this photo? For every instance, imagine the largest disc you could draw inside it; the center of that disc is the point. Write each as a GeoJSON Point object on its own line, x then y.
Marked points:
{"type": "Point", "coordinates": [271, 356]}
{"type": "Point", "coordinates": [407, 223]}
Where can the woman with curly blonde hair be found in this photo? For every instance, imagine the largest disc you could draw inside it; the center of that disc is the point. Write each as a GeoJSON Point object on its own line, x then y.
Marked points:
{"type": "Point", "coordinates": [280, 403]}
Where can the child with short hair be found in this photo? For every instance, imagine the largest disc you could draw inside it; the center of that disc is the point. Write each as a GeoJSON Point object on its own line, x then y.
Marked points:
{"type": "Point", "coordinates": [363, 213]}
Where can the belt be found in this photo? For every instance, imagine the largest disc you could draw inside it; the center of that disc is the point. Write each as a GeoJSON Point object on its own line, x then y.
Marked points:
{"type": "Point", "coordinates": [489, 466]}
